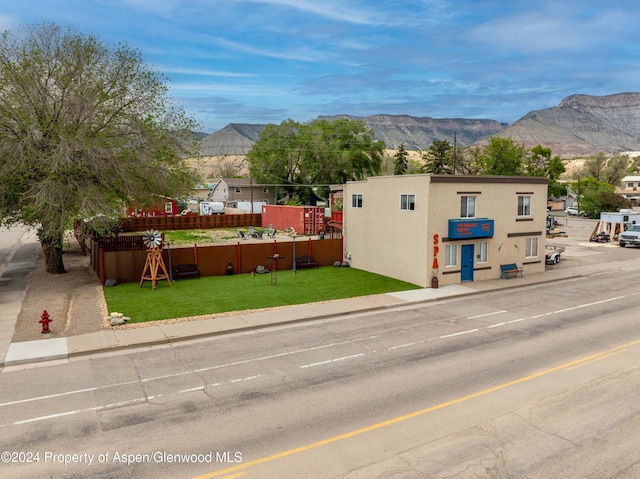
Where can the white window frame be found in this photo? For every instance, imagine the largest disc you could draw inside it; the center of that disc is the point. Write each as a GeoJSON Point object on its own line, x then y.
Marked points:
{"type": "Point", "coordinates": [407, 202]}
{"type": "Point", "coordinates": [524, 205]}
{"type": "Point", "coordinates": [531, 248]}
{"type": "Point", "coordinates": [467, 207]}
{"type": "Point", "coordinates": [451, 255]}
{"type": "Point", "coordinates": [356, 200]}
{"type": "Point", "coordinates": [482, 252]}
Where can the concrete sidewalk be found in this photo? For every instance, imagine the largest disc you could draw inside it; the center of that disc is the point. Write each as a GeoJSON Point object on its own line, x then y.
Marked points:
{"type": "Point", "coordinates": [162, 333]}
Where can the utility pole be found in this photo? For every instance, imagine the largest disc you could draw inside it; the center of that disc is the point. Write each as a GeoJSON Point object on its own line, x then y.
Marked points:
{"type": "Point", "coordinates": [455, 140]}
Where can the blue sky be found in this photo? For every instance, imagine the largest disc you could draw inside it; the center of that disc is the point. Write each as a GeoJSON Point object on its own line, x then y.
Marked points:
{"type": "Point", "coordinates": [263, 61]}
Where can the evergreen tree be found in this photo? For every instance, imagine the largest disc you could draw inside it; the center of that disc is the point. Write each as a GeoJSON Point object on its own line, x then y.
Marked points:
{"type": "Point", "coordinates": [438, 158]}
{"type": "Point", "coordinates": [401, 161]}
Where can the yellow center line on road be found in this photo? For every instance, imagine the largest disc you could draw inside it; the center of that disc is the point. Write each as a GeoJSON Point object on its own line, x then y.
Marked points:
{"type": "Point", "coordinates": [235, 476]}
{"type": "Point", "coordinates": [591, 361]}
{"type": "Point", "coordinates": [567, 366]}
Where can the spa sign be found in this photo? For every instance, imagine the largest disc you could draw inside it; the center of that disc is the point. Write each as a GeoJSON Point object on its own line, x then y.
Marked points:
{"type": "Point", "coordinates": [470, 228]}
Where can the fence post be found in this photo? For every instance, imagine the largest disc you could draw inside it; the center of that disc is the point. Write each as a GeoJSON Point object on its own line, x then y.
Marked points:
{"type": "Point", "coordinates": [102, 265]}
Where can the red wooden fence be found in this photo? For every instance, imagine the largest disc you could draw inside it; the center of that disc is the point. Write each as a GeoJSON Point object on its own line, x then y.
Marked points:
{"type": "Point", "coordinates": [188, 222]}
{"type": "Point", "coordinates": [126, 266]}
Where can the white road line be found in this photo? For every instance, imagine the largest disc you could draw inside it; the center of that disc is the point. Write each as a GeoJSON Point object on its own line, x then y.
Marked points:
{"type": "Point", "coordinates": [459, 334]}
{"type": "Point", "coordinates": [248, 378]}
{"type": "Point", "coordinates": [128, 402]}
{"type": "Point", "coordinates": [184, 373]}
{"type": "Point", "coordinates": [486, 314]}
{"type": "Point", "coordinates": [51, 396]}
{"type": "Point", "coordinates": [274, 356]}
{"type": "Point", "coordinates": [400, 346]}
{"type": "Point", "coordinates": [335, 360]}
{"type": "Point", "coordinates": [497, 325]}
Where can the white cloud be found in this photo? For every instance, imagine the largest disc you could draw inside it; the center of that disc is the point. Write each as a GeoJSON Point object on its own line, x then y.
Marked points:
{"type": "Point", "coordinates": [340, 11]}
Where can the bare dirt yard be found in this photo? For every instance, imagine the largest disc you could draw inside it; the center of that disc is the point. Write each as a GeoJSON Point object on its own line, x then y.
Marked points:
{"type": "Point", "coordinates": [74, 300]}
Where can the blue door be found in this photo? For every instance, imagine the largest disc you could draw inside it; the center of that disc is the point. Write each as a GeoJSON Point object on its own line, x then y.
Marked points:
{"type": "Point", "coordinates": [466, 260]}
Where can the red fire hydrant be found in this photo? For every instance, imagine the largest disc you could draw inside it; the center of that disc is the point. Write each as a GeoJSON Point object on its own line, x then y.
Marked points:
{"type": "Point", "coordinates": [45, 322]}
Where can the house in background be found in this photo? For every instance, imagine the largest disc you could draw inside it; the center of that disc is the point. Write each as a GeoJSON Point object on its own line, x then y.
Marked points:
{"type": "Point", "coordinates": [631, 189]}
{"type": "Point", "coordinates": [163, 206]}
{"type": "Point", "coordinates": [241, 193]}
{"type": "Point", "coordinates": [454, 228]}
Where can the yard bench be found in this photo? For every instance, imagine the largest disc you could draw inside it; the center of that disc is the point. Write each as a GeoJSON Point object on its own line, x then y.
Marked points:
{"type": "Point", "coordinates": [508, 269]}
{"type": "Point", "coordinates": [185, 271]}
{"type": "Point", "coordinates": [306, 262]}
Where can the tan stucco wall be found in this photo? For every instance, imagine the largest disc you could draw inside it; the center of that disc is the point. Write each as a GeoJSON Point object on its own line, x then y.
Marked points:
{"type": "Point", "coordinates": [383, 239]}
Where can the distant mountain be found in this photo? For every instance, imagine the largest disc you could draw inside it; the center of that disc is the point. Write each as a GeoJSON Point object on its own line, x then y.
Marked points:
{"type": "Point", "coordinates": [417, 133]}
{"type": "Point", "coordinates": [582, 125]}
{"type": "Point", "coordinates": [233, 139]}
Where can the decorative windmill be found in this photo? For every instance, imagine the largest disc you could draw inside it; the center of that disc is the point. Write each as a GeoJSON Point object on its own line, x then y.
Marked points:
{"type": "Point", "coordinates": [153, 241]}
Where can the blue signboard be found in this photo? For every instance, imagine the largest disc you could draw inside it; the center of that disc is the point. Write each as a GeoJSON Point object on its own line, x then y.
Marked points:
{"type": "Point", "coordinates": [470, 228]}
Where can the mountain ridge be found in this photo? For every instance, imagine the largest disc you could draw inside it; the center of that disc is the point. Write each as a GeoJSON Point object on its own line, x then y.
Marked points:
{"type": "Point", "coordinates": [581, 125]}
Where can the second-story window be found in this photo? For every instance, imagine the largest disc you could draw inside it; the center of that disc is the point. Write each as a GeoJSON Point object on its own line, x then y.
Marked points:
{"type": "Point", "coordinates": [408, 202]}
{"type": "Point", "coordinates": [524, 206]}
{"type": "Point", "coordinates": [467, 206]}
{"type": "Point", "coordinates": [356, 200]}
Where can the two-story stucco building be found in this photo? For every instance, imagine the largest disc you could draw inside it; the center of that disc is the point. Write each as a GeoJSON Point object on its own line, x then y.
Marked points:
{"type": "Point", "coordinates": [457, 228]}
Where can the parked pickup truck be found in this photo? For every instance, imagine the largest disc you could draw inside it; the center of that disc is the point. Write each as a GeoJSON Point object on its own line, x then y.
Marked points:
{"type": "Point", "coordinates": [630, 236]}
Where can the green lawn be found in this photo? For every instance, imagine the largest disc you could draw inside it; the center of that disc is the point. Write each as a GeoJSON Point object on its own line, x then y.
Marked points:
{"type": "Point", "coordinates": [217, 294]}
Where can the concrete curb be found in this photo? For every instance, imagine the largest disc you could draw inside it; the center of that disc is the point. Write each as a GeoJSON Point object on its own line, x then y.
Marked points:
{"type": "Point", "coordinates": [63, 348]}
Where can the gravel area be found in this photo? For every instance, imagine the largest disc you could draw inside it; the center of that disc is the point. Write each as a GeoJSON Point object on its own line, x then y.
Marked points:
{"type": "Point", "coordinates": [74, 301]}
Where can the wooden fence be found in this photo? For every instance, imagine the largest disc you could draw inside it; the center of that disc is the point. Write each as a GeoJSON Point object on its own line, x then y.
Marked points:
{"type": "Point", "coordinates": [188, 222]}
{"type": "Point", "coordinates": [126, 266]}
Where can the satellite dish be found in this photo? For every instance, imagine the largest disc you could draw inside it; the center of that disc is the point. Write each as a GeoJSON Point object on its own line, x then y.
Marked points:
{"type": "Point", "coordinates": [152, 239]}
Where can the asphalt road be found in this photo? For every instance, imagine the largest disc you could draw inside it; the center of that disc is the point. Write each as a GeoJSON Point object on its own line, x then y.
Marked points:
{"type": "Point", "coordinates": [532, 382]}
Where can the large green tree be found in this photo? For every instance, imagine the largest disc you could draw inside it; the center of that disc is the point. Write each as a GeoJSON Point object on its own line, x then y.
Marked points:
{"type": "Point", "coordinates": [503, 156]}
{"type": "Point", "coordinates": [540, 163]}
{"type": "Point", "coordinates": [84, 128]}
{"type": "Point", "coordinates": [438, 158]}
{"type": "Point", "coordinates": [616, 169]}
{"type": "Point", "coordinates": [297, 156]}
{"type": "Point", "coordinates": [596, 196]}
{"type": "Point", "coordinates": [594, 165]}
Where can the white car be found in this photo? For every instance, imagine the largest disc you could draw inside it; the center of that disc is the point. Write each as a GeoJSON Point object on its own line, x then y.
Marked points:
{"type": "Point", "coordinates": [573, 211]}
